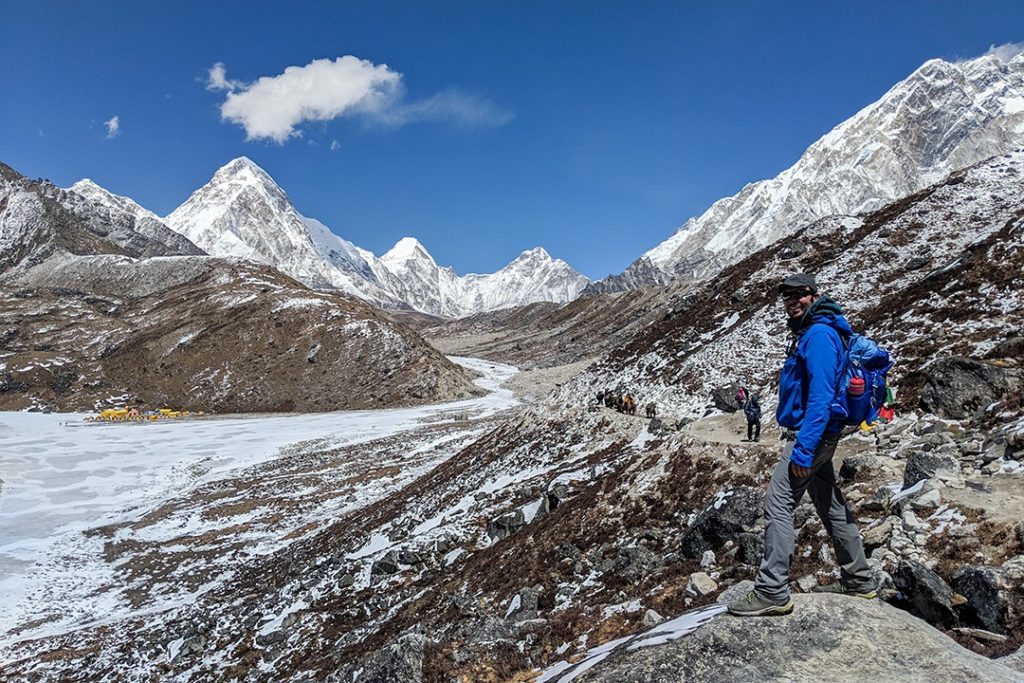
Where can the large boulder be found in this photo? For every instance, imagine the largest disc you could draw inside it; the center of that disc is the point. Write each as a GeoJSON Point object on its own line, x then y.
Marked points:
{"type": "Point", "coordinates": [827, 637]}
{"type": "Point", "coordinates": [921, 465]}
{"type": "Point", "coordinates": [960, 387]}
{"type": "Point", "coordinates": [983, 588]}
{"type": "Point", "coordinates": [731, 512]}
{"type": "Point", "coordinates": [925, 593]}
{"type": "Point", "coordinates": [724, 398]}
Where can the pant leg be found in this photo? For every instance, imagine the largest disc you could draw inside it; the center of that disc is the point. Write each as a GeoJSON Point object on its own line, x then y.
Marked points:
{"type": "Point", "coordinates": [840, 525]}
{"type": "Point", "coordinates": [783, 495]}
{"type": "Point", "coordinates": [757, 430]}
{"type": "Point", "coordinates": [750, 430]}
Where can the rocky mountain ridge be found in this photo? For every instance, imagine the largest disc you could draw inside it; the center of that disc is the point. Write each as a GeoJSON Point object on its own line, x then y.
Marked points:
{"type": "Point", "coordinates": [243, 212]}
{"type": "Point", "coordinates": [86, 324]}
{"type": "Point", "coordinates": [943, 117]}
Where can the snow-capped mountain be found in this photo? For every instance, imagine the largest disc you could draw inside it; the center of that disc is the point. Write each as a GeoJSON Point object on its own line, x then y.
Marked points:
{"type": "Point", "coordinates": [944, 116]}
{"type": "Point", "coordinates": [140, 232]}
{"type": "Point", "coordinates": [409, 272]}
{"type": "Point", "coordinates": [243, 212]}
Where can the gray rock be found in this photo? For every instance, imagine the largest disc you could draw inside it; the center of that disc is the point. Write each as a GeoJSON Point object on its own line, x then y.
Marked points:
{"type": "Point", "coordinates": [402, 660]}
{"type": "Point", "coordinates": [700, 584]}
{"type": "Point", "coordinates": [735, 592]}
{"type": "Point", "coordinates": [527, 607]}
{"type": "Point", "coordinates": [925, 592]}
{"type": "Point", "coordinates": [729, 514]}
{"type": "Point", "coordinates": [862, 467]}
{"type": "Point", "coordinates": [986, 605]}
{"type": "Point", "coordinates": [922, 465]}
{"type": "Point", "coordinates": [506, 525]}
{"type": "Point", "coordinates": [652, 618]}
{"type": "Point", "coordinates": [929, 500]}
{"type": "Point", "coordinates": [879, 500]}
{"type": "Point", "coordinates": [827, 637]}
{"type": "Point", "coordinates": [724, 398]}
{"type": "Point", "coordinates": [877, 535]}
{"type": "Point", "coordinates": [750, 548]}
{"type": "Point", "coordinates": [960, 387]}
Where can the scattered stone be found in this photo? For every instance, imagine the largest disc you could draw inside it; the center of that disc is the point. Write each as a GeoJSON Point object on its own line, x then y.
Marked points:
{"type": "Point", "coordinates": [981, 634]}
{"type": "Point", "coordinates": [506, 525]}
{"type": "Point", "coordinates": [652, 618]}
{"type": "Point", "coordinates": [700, 584]}
{"type": "Point", "coordinates": [877, 535]}
{"type": "Point", "coordinates": [524, 604]}
{"type": "Point", "coordinates": [929, 500]}
{"type": "Point", "coordinates": [992, 467]}
{"type": "Point", "coordinates": [879, 500]}
{"type": "Point", "coordinates": [861, 467]}
{"type": "Point", "coordinates": [401, 660]}
{"type": "Point", "coordinates": [807, 583]}
{"type": "Point", "coordinates": [708, 560]}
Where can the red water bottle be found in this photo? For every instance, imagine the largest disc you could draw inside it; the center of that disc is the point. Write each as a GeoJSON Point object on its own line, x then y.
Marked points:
{"type": "Point", "coordinates": [856, 387]}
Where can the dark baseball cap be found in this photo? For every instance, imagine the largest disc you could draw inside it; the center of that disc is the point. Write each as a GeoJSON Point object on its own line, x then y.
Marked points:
{"type": "Point", "coordinates": [799, 281]}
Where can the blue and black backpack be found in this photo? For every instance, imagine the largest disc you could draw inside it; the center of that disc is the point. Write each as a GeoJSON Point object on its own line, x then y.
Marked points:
{"type": "Point", "coordinates": [860, 391]}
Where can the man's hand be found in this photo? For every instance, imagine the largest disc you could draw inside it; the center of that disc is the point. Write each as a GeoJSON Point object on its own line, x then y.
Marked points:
{"type": "Point", "coordinates": [798, 471]}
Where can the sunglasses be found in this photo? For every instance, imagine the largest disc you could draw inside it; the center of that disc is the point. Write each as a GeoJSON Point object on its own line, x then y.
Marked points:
{"type": "Point", "coordinates": [788, 294]}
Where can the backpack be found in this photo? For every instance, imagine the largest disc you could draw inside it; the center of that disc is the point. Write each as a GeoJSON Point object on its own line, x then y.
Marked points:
{"type": "Point", "coordinates": [861, 389]}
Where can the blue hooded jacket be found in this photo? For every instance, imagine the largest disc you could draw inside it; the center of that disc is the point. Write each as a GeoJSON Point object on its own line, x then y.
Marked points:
{"type": "Point", "coordinates": [809, 376]}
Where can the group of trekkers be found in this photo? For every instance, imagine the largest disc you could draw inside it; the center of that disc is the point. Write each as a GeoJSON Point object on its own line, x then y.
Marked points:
{"type": "Point", "coordinates": [624, 402]}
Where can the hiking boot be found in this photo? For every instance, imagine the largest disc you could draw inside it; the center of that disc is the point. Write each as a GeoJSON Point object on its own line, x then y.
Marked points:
{"type": "Point", "coordinates": [841, 588]}
{"type": "Point", "coordinates": [753, 605]}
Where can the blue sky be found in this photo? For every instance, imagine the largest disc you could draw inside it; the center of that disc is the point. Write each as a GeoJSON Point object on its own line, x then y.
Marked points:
{"type": "Point", "coordinates": [593, 129]}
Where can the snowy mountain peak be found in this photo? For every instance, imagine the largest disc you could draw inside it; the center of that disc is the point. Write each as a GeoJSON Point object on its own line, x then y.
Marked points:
{"type": "Point", "coordinates": [943, 117]}
{"type": "Point", "coordinates": [242, 212]}
{"type": "Point", "coordinates": [535, 254]}
{"type": "Point", "coordinates": [405, 250]}
{"type": "Point", "coordinates": [95, 193]}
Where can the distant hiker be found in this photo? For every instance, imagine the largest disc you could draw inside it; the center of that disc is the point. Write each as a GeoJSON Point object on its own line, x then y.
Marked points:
{"type": "Point", "coordinates": [629, 405]}
{"type": "Point", "coordinates": [741, 397]}
{"type": "Point", "coordinates": [133, 413]}
{"type": "Point", "coordinates": [651, 410]}
{"type": "Point", "coordinates": [752, 410]}
{"type": "Point", "coordinates": [807, 386]}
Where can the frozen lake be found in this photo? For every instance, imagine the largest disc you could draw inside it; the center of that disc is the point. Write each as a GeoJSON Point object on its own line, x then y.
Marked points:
{"type": "Point", "coordinates": [62, 476]}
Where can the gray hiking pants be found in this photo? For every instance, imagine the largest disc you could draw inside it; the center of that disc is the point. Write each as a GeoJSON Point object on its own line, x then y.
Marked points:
{"type": "Point", "coordinates": [783, 495]}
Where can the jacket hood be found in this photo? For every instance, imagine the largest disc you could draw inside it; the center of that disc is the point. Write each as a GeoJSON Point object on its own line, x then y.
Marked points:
{"type": "Point", "coordinates": [823, 310]}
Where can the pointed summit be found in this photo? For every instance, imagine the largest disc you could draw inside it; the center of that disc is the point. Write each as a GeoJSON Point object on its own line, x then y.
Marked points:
{"type": "Point", "coordinates": [406, 249]}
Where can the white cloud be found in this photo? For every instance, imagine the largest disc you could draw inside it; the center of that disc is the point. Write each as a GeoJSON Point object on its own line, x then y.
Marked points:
{"type": "Point", "coordinates": [113, 125]}
{"type": "Point", "coordinates": [272, 107]}
{"type": "Point", "coordinates": [1005, 52]}
{"type": "Point", "coordinates": [335, 145]}
{"type": "Point", "coordinates": [217, 79]}
{"type": "Point", "coordinates": [450, 105]}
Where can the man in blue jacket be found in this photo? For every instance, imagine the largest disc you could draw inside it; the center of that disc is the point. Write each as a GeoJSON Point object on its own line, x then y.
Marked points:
{"type": "Point", "coordinates": [807, 386]}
